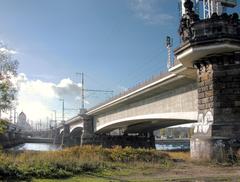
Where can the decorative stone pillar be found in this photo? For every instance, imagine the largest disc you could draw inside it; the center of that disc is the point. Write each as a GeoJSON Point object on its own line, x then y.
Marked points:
{"type": "Point", "coordinates": [218, 124]}
{"type": "Point", "coordinates": [212, 46]}
{"type": "Point", "coordinates": [88, 130]}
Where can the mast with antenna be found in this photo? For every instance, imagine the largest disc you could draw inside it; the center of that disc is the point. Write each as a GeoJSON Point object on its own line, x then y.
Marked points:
{"type": "Point", "coordinates": [169, 44]}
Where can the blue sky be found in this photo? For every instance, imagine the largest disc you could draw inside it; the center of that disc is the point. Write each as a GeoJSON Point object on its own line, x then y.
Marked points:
{"type": "Point", "coordinates": [116, 43]}
{"type": "Point", "coordinates": [96, 37]}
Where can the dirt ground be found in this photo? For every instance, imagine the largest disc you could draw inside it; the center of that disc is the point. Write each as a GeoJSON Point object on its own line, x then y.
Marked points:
{"type": "Point", "coordinates": [189, 170]}
{"type": "Point", "coordinates": [186, 170]}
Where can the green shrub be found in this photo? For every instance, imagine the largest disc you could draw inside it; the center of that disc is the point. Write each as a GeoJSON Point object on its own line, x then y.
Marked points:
{"type": "Point", "coordinates": [128, 154]}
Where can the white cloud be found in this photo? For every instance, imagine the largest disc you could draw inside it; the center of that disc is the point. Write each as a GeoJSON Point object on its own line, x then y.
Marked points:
{"type": "Point", "coordinates": [38, 98]}
{"type": "Point", "coordinates": [7, 50]}
{"type": "Point", "coordinates": [150, 12]}
{"type": "Point", "coordinates": [66, 88]}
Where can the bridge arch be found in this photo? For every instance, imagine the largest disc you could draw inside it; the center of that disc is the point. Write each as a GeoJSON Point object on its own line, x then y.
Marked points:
{"type": "Point", "coordinates": [147, 123]}
{"type": "Point", "coordinates": [76, 125]}
{"type": "Point", "coordinates": [75, 135]}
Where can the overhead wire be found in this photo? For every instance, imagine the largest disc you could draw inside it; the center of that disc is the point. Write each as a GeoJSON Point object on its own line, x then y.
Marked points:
{"type": "Point", "coordinates": [145, 66]}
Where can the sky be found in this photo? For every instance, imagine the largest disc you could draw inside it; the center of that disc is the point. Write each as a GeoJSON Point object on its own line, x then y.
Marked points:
{"type": "Point", "coordinates": [116, 43]}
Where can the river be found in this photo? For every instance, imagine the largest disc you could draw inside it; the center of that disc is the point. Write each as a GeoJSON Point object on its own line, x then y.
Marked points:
{"type": "Point", "coordinates": [52, 147]}
{"type": "Point", "coordinates": [36, 147]}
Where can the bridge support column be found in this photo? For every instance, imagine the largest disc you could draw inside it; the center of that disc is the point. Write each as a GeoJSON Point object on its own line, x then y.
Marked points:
{"type": "Point", "coordinates": [56, 136]}
{"type": "Point", "coordinates": [88, 131]}
{"type": "Point", "coordinates": [218, 128]}
{"type": "Point", "coordinates": [66, 136]}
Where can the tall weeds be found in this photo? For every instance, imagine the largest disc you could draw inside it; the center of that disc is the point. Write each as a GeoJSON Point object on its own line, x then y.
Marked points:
{"type": "Point", "coordinates": [74, 161]}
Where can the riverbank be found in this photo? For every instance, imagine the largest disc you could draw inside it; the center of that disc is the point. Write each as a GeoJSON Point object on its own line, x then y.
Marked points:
{"type": "Point", "coordinates": [90, 163]}
{"type": "Point", "coordinates": [180, 171]}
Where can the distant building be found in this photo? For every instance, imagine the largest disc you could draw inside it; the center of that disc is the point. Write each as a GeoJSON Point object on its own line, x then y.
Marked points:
{"type": "Point", "coordinates": [22, 122]}
{"type": "Point", "coordinates": [178, 132]}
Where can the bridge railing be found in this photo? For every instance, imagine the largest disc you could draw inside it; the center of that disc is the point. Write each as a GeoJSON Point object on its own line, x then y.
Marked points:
{"type": "Point", "coordinates": [153, 79]}
{"type": "Point", "coordinates": [175, 62]}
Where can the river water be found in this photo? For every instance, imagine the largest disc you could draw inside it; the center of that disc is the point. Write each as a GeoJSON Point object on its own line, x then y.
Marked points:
{"type": "Point", "coordinates": [36, 147]}
{"type": "Point", "coordinates": [52, 147]}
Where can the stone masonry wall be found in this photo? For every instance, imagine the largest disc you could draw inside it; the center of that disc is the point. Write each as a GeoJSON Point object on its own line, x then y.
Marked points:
{"type": "Point", "coordinates": [219, 96]}
{"type": "Point", "coordinates": [226, 85]}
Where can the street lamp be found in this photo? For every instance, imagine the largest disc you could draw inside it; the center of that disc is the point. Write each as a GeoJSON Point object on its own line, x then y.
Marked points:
{"type": "Point", "coordinates": [62, 110]}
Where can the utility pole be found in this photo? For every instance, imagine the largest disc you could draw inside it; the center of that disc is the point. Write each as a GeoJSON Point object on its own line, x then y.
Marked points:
{"type": "Point", "coordinates": [55, 118]}
{"type": "Point", "coordinates": [32, 125]}
{"type": "Point", "coordinates": [83, 99]}
{"type": "Point", "coordinates": [40, 125]}
{"type": "Point", "coordinates": [47, 124]}
{"type": "Point", "coordinates": [62, 110]}
{"type": "Point", "coordinates": [83, 90]}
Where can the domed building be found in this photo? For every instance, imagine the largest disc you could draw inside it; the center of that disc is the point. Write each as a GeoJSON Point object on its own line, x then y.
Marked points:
{"type": "Point", "coordinates": [22, 122]}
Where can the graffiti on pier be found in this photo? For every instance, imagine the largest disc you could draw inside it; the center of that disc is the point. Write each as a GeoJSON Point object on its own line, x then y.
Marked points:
{"type": "Point", "coordinates": [204, 123]}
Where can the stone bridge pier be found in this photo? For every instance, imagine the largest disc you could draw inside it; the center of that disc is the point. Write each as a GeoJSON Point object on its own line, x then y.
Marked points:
{"type": "Point", "coordinates": [212, 47]}
{"type": "Point", "coordinates": [218, 130]}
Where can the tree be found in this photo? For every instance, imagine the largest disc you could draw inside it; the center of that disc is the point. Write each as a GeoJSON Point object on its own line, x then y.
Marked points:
{"type": "Point", "coordinates": [3, 126]}
{"type": "Point", "coordinates": [8, 70]}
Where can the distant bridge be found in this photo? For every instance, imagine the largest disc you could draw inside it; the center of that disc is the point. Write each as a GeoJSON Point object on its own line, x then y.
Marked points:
{"type": "Point", "coordinates": [38, 140]}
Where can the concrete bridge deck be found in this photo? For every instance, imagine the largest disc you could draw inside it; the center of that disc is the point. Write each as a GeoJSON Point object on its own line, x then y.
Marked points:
{"type": "Point", "coordinates": [167, 100]}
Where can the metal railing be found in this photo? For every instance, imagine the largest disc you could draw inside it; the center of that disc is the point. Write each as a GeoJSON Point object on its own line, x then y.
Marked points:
{"type": "Point", "coordinates": [153, 79]}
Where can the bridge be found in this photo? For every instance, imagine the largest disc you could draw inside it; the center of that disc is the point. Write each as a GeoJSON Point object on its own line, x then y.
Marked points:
{"type": "Point", "coordinates": [165, 100]}
{"type": "Point", "coordinates": [202, 86]}
{"type": "Point", "coordinates": [38, 140]}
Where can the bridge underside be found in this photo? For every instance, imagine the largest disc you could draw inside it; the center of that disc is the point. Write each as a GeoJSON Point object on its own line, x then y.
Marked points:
{"type": "Point", "coordinates": [148, 123]}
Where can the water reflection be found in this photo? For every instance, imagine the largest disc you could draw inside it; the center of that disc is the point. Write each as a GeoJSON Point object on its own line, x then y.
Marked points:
{"type": "Point", "coordinates": [53, 147]}
{"type": "Point", "coordinates": [172, 147]}
{"type": "Point", "coordinates": [36, 147]}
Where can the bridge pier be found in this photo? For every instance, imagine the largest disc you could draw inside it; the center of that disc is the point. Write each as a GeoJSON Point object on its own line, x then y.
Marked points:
{"type": "Point", "coordinates": [212, 46]}
{"type": "Point", "coordinates": [218, 126]}
{"type": "Point", "coordinates": [87, 137]}
{"type": "Point", "coordinates": [66, 136]}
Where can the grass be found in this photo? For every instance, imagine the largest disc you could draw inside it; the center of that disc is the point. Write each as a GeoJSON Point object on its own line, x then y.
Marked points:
{"type": "Point", "coordinates": [102, 179]}
{"type": "Point", "coordinates": [180, 155]}
{"type": "Point", "coordinates": [94, 163]}
{"type": "Point", "coordinates": [70, 162]}
{"type": "Point", "coordinates": [83, 178]}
